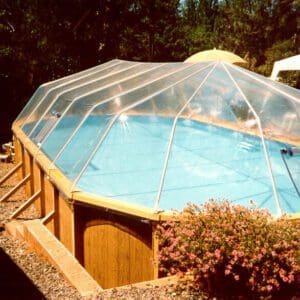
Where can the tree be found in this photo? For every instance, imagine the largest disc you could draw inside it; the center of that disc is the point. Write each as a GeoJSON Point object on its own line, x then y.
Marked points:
{"type": "Point", "coordinates": [44, 40]}
{"type": "Point", "coordinates": [40, 41]}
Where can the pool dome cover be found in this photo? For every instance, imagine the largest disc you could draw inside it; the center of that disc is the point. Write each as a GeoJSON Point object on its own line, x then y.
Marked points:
{"type": "Point", "coordinates": [159, 135]}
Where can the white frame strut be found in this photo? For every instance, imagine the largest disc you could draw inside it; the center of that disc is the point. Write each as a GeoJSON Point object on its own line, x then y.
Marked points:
{"type": "Point", "coordinates": [162, 178]}
{"type": "Point", "coordinates": [279, 209]}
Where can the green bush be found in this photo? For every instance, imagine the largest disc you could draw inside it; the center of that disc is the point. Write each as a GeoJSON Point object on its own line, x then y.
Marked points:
{"type": "Point", "coordinates": [231, 252]}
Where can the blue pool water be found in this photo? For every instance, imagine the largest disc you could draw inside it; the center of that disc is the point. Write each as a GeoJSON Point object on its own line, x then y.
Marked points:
{"type": "Point", "coordinates": [205, 162]}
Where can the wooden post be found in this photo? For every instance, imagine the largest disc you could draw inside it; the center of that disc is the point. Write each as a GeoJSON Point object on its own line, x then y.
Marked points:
{"type": "Point", "coordinates": [28, 170]}
{"type": "Point", "coordinates": [50, 193]}
{"type": "Point", "coordinates": [64, 221]}
{"type": "Point", "coordinates": [37, 176]}
{"type": "Point", "coordinates": [155, 248]}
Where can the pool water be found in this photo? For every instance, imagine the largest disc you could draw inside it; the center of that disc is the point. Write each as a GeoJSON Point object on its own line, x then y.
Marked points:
{"type": "Point", "coordinates": [205, 162]}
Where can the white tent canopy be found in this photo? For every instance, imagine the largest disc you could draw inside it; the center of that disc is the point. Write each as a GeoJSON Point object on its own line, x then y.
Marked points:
{"type": "Point", "coordinates": [288, 64]}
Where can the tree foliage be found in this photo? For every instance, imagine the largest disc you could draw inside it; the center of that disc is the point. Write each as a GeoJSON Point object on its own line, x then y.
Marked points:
{"type": "Point", "coordinates": [44, 40]}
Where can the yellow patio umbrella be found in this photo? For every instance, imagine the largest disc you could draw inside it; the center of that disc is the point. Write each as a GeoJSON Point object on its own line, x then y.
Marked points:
{"type": "Point", "coordinates": [216, 54]}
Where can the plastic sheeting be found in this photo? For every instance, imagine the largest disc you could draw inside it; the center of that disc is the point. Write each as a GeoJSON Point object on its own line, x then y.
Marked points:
{"type": "Point", "coordinates": [162, 134]}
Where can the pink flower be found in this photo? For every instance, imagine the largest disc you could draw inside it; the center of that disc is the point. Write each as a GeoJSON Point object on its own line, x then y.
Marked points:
{"type": "Point", "coordinates": [192, 256]}
{"type": "Point", "coordinates": [285, 244]}
{"type": "Point", "coordinates": [259, 256]}
{"type": "Point", "coordinates": [174, 255]}
{"type": "Point", "coordinates": [241, 253]}
{"type": "Point", "coordinates": [227, 272]}
{"type": "Point", "coordinates": [190, 233]}
{"type": "Point", "coordinates": [205, 268]}
{"type": "Point", "coordinates": [234, 252]}
{"type": "Point", "coordinates": [282, 272]}
{"type": "Point", "coordinates": [269, 288]}
{"type": "Point", "coordinates": [218, 253]}
{"type": "Point", "coordinates": [291, 278]}
{"type": "Point", "coordinates": [237, 277]}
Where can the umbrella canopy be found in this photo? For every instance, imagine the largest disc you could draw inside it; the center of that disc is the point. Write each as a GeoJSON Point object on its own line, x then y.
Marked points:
{"type": "Point", "coordinates": [216, 54]}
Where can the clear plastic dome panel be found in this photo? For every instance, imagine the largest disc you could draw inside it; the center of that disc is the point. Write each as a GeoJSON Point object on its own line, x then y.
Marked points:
{"type": "Point", "coordinates": [115, 107]}
{"type": "Point", "coordinates": [106, 101]}
{"type": "Point", "coordinates": [278, 112]}
{"type": "Point", "coordinates": [170, 102]}
{"type": "Point", "coordinates": [219, 102]}
{"type": "Point", "coordinates": [268, 83]}
{"type": "Point", "coordinates": [209, 161]}
{"type": "Point", "coordinates": [211, 102]}
{"type": "Point", "coordinates": [46, 88]}
{"type": "Point", "coordinates": [128, 163]}
{"type": "Point", "coordinates": [67, 91]}
{"type": "Point", "coordinates": [31, 104]}
{"type": "Point", "coordinates": [137, 135]}
{"type": "Point", "coordinates": [72, 159]}
{"type": "Point", "coordinates": [161, 135]}
{"type": "Point", "coordinates": [56, 138]}
{"type": "Point", "coordinates": [60, 100]}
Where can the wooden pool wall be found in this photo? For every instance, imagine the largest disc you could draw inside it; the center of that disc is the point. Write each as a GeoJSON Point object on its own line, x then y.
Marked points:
{"type": "Point", "coordinates": [116, 244]}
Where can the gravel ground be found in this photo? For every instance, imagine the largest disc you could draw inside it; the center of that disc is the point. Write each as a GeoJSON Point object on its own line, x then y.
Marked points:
{"type": "Point", "coordinates": [45, 277]}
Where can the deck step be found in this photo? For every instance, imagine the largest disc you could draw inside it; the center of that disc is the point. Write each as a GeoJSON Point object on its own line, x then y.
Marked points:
{"type": "Point", "coordinates": [46, 244]}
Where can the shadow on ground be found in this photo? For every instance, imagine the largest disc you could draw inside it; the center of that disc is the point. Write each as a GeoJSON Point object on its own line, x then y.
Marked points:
{"type": "Point", "coordinates": [14, 284]}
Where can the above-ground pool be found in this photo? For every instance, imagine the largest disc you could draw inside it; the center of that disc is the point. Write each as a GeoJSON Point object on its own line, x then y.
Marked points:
{"type": "Point", "coordinates": [205, 162]}
{"type": "Point", "coordinates": [105, 154]}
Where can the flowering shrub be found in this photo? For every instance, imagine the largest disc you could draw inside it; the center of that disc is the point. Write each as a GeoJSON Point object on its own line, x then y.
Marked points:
{"type": "Point", "coordinates": [231, 251]}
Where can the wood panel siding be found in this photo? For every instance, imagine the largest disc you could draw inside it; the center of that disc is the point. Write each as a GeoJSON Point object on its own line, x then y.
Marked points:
{"type": "Point", "coordinates": [50, 194]}
{"type": "Point", "coordinates": [37, 179]}
{"type": "Point", "coordinates": [28, 170]}
{"type": "Point", "coordinates": [115, 249]}
{"type": "Point", "coordinates": [65, 224]}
